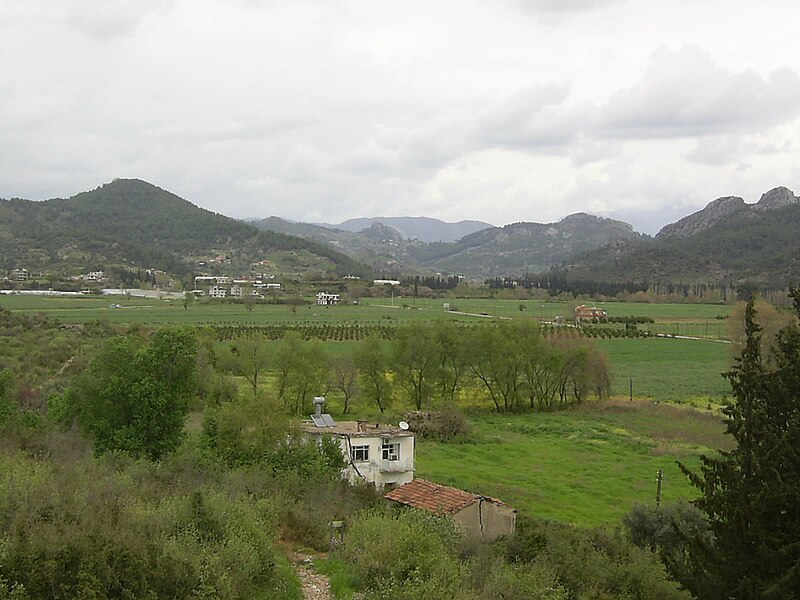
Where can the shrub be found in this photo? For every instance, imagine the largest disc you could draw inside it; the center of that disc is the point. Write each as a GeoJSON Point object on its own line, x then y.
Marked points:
{"type": "Point", "coordinates": [446, 425]}
{"type": "Point", "coordinates": [405, 554]}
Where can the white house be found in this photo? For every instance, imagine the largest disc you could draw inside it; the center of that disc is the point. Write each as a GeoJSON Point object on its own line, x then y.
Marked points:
{"type": "Point", "coordinates": [379, 454]}
{"type": "Point", "coordinates": [325, 299]}
{"type": "Point", "coordinates": [217, 292]}
{"type": "Point", "coordinates": [95, 276]}
{"type": "Point", "coordinates": [385, 282]}
{"type": "Point", "coordinates": [19, 274]}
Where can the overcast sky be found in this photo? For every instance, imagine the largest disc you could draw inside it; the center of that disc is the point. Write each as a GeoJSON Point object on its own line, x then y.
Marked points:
{"type": "Point", "coordinates": [322, 110]}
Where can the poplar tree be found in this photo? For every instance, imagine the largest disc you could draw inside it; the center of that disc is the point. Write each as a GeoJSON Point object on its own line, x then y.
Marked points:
{"type": "Point", "coordinates": [751, 494]}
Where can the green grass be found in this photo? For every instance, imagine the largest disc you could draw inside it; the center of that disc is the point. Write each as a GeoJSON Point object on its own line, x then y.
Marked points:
{"type": "Point", "coordinates": [79, 309]}
{"type": "Point", "coordinates": [668, 369]}
{"type": "Point", "coordinates": [585, 466]}
{"type": "Point", "coordinates": [343, 584]}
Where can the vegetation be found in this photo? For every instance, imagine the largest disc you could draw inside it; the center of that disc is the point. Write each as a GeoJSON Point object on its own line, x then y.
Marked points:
{"type": "Point", "coordinates": [750, 493]}
{"type": "Point", "coordinates": [134, 397]}
{"type": "Point", "coordinates": [748, 245]}
{"type": "Point", "coordinates": [414, 555]}
{"type": "Point", "coordinates": [238, 478]}
{"type": "Point", "coordinates": [586, 465]}
{"type": "Point", "coordinates": [133, 222]}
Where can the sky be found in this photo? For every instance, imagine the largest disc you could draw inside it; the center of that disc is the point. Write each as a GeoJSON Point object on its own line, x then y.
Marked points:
{"type": "Point", "coordinates": [323, 110]}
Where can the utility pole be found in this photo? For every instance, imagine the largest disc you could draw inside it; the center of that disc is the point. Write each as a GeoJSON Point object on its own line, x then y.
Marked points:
{"type": "Point", "coordinates": [630, 384]}
{"type": "Point", "coordinates": [659, 478]}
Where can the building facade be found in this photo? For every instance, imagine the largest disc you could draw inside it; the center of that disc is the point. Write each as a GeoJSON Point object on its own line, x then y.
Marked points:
{"type": "Point", "coordinates": [382, 455]}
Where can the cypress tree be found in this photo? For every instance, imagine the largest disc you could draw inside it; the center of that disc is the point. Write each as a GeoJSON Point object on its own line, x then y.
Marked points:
{"type": "Point", "coordinates": [751, 495]}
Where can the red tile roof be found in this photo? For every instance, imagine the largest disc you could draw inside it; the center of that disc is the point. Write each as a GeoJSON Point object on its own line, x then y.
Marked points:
{"type": "Point", "coordinates": [435, 498]}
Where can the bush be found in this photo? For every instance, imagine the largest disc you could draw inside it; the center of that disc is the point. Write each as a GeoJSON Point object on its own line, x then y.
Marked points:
{"type": "Point", "coordinates": [668, 531]}
{"type": "Point", "coordinates": [405, 554]}
{"type": "Point", "coordinates": [123, 528]}
{"type": "Point", "coordinates": [593, 563]}
{"type": "Point", "coordinates": [446, 425]}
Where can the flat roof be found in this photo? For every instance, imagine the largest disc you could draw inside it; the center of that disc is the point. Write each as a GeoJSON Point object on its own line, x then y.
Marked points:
{"type": "Point", "coordinates": [352, 429]}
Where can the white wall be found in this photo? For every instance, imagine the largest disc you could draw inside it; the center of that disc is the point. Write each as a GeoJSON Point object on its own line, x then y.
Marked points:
{"type": "Point", "coordinates": [377, 470]}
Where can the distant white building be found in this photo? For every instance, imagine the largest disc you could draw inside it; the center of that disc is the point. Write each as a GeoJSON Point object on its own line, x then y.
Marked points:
{"type": "Point", "coordinates": [94, 276]}
{"type": "Point", "coordinates": [325, 299]}
{"type": "Point", "coordinates": [385, 282]}
{"type": "Point", "coordinates": [19, 275]}
{"type": "Point", "coordinates": [217, 292]}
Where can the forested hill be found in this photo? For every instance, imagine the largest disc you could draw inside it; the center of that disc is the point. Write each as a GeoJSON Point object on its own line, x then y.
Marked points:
{"type": "Point", "coordinates": [131, 222]}
{"type": "Point", "coordinates": [524, 247]}
{"type": "Point", "coordinates": [759, 244]}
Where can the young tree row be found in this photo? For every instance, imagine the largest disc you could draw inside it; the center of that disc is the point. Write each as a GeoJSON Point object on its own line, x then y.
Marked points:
{"type": "Point", "coordinates": [431, 366]}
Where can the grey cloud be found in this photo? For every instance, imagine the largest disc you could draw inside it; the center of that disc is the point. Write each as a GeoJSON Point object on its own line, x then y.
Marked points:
{"type": "Point", "coordinates": [232, 131]}
{"type": "Point", "coordinates": [533, 117]}
{"type": "Point", "coordinates": [684, 93]}
{"type": "Point", "coordinates": [563, 6]}
{"type": "Point", "coordinates": [715, 150]}
{"type": "Point", "coordinates": [109, 18]}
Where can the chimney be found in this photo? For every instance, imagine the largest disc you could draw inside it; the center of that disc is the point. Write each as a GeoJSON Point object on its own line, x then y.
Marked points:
{"type": "Point", "coordinates": [319, 402]}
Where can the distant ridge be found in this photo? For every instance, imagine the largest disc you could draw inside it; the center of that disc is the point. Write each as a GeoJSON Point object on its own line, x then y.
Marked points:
{"type": "Point", "coordinates": [425, 229]}
{"type": "Point", "coordinates": [524, 247]}
{"type": "Point", "coordinates": [720, 209]}
{"type": "Point", "coordinates": [729, 241]}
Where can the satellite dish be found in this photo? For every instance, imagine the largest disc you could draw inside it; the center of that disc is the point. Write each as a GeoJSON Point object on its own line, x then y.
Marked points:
{"type": "Point", "coordinates": [403, 425]}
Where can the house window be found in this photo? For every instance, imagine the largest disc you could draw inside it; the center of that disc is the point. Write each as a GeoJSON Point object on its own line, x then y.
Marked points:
{"type": "Point", "coordinates": [390, 451]}
{"type": "Point", "coordinates": [359, 453]}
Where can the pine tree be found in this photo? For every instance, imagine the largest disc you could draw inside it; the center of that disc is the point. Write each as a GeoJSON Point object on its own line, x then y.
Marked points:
{"type": "Point", "coordinates": [751, 495]}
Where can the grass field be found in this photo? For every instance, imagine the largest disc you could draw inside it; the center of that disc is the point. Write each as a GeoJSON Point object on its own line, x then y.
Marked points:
{"type": "Point", "coordinates": [669, 369]}
{"type": "Point", "coordinates": [153, 311]}
{"type": "Point", "coordinates": [585, 466]}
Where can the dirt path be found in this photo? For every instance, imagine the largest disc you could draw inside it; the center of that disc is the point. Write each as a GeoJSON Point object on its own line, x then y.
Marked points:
{"type": "Point", "coordinates": [315, 585]}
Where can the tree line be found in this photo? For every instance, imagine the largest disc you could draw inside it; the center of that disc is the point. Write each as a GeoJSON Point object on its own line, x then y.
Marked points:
{"type": "Point", "coordinates": [510, 365]}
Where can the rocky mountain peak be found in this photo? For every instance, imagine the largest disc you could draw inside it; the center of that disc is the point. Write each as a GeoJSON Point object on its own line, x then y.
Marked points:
{"type": "Point", "coordinates": [379, 231]}
{"type": "Point", "coordinates": [777, 198]}
{"type": "Point", "coordinates": [715, 211]}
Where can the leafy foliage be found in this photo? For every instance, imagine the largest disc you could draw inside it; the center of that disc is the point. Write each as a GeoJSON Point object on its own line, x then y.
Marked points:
{"type": "Point", "coordinates": [134, 396]}
{"type": "Point", "coordinates": [750, 493]}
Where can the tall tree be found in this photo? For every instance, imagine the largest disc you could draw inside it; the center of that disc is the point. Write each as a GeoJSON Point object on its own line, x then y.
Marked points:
{"type": "Point", "coordinates": [496, 360]}
{"type": "Point", "coordinates": [134, 397]}
{"type": "Point", "coordinates": [247, 358]}
{"type": "Point", "coordinates": [452, 364]}
{"type": "Point", "coordinates": [415, 354]}
{"type": "Point", "coordinates": [373, 364]}
{"type": "Point", "coordinates": [343, 377]}
{"type": "Point", "coordinates": [751, 493]}
{"type": "Point", "coordinates": [302, 371]}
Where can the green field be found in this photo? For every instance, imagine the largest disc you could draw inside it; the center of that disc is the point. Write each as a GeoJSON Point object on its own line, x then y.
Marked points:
{"type": "Point", "coordinates": [585, 466]}
{"type": "Point", "coordinates": [668, 369]}
{"type": "Point", "coordinates": [162, 312]}
{"type": "Point", "coordinates": [663, 369]}
{"type": "Point", "coordinates": [147, 311]}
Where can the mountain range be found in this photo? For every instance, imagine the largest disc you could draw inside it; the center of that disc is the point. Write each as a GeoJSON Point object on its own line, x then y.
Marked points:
{"type": "Point", "coordinates": [133, 224]}
{"type": "Point", "coordinates": [727, 241]}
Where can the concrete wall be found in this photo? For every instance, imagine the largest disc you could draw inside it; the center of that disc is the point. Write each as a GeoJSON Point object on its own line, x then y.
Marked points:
{"type": "Point", "coordinates": [376, 470]}
{"type": "Point", "coordinates": [486, 521]}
